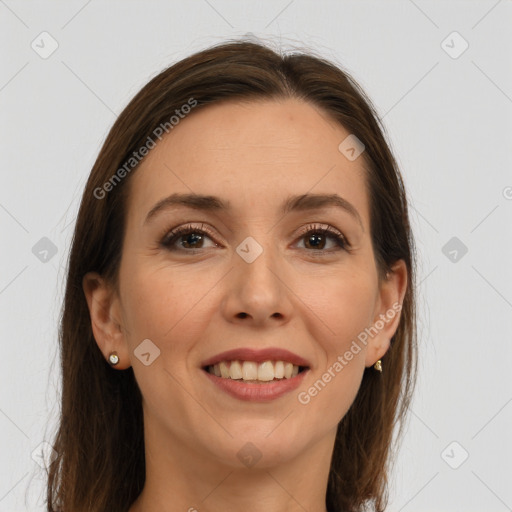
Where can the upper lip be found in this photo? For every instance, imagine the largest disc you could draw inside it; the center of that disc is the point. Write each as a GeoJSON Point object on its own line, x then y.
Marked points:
{"type": "Point", "coordinates": [257, 355]}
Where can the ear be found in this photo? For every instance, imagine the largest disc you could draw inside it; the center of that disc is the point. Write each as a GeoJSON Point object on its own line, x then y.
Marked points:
{"type": "Point", "coordinates": [104, 309]}
{"type": "Point", "coordinates": [387, 312]}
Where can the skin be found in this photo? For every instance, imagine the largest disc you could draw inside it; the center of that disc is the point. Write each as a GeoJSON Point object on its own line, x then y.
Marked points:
{"type": "Point", "coordinates": [253, 154]}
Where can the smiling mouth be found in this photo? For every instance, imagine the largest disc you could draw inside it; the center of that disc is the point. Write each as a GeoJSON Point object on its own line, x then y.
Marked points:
{"type": "Point", "coordinates": [252, 372]}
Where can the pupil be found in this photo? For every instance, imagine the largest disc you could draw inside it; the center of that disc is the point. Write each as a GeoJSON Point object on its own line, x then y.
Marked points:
{"type": "Point", "coordinates": [192, 236]}
{"type": "Point", "coordinates": [318, 238]}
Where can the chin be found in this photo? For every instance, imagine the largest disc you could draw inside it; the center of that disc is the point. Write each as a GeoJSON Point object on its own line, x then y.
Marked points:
{"type": "Point", "coordinates": [257, 449]}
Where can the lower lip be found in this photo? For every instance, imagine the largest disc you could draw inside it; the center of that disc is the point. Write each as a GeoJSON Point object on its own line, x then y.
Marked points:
{"type": "Point", "coordinates": [252, 392]}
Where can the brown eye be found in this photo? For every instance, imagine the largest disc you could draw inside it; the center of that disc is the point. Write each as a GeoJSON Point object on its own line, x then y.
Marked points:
{"type": "Point", "coordinates": [192, 238]}
{"type": "Point", "coordinates": [315, 238]}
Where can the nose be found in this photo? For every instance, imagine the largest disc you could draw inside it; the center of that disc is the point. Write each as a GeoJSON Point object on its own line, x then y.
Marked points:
{"type": "Point", "coordinates": [257, 292]}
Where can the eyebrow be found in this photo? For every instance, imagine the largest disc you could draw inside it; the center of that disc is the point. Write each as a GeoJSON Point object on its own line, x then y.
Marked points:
{"type": "Point", "coordinates": [295, 203]}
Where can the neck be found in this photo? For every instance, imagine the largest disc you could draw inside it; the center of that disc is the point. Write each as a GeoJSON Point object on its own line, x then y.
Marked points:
{"type": "Point", "coordinates": [180, 478]}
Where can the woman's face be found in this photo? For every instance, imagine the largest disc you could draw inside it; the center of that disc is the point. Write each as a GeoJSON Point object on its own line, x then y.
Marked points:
{"type": "Point", "coordinates": [253, 275]}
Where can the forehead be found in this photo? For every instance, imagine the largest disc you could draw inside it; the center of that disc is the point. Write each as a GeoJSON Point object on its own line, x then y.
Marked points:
{"type": "Point", "coordinates": [252, 153]}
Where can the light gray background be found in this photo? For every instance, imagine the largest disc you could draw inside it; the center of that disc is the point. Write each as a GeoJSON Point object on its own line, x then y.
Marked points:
{"type": "Point", "coordinates": [449, 122]}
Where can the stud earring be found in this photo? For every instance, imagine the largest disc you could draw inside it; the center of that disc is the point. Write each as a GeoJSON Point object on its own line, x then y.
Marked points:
{"type": "Point", "coordinates": [378, 365]}
{"type": "Point", "coordinates": [113, 358]}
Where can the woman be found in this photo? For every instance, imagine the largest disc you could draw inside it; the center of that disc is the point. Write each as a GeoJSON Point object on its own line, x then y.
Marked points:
{"type": "Point", "coordinates": [238, 331]}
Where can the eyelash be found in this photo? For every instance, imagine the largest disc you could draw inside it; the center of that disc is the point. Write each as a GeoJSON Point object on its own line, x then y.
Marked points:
{"type": "Point", "coordinates": [172, 236]}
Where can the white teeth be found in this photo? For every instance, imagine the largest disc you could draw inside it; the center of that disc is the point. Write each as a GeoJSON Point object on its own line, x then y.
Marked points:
{"type": "Point", "coordinates": [224, 370]}
{"type": "Point", "coordinates": [288, 369]}
{"type": "Point", "coordinates": [252, 371]}
{"type": "Point", "coordinates": [249, 370]}
{"type": "Point", "coordinates": [266, 371]}
{"type": "Point", "coordinates": [279, 370]}
{"type": "Point", "coordinates": [235, 370]}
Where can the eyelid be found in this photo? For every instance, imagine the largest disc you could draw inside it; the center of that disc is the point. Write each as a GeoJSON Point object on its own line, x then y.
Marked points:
{"type": "Point", "coordinates": [323, 227]}
{"type": "Point", "coordinates": [310, 227]}
{"type": "Point", "coordinates": [170, 233]}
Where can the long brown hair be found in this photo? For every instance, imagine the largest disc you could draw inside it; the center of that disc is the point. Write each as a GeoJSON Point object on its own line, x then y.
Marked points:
{"type": "Point", "coordinates": [100, 464]}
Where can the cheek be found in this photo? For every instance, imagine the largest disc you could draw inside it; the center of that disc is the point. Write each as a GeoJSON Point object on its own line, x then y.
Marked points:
{"type": "Point", "coordinates": [343, 306]}
{"type": "Point", "coordinates": [161, 304]}
{"type": "Point", "coordinates": [165, 306]}
{"type": "Point", "coordinates": [345, 309]}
